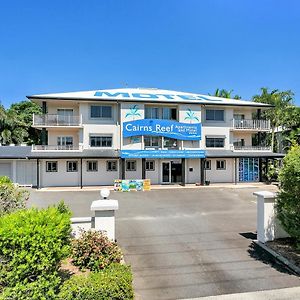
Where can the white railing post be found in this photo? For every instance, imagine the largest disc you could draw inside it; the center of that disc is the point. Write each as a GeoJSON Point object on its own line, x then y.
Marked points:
{"type": "Point", "coordinates": [268, 226]}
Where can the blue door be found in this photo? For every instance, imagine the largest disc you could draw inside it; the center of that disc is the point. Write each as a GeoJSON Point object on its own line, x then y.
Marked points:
{"type": "Point", "coordinates": [248, 169]}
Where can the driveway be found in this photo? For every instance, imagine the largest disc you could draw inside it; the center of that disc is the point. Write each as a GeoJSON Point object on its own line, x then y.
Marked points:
{"type": "Point", "coordinates": [187, 243]}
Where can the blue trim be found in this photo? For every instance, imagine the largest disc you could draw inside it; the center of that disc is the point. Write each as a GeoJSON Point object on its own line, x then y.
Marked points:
{"type": "Point", "coordinates": [163, 154]}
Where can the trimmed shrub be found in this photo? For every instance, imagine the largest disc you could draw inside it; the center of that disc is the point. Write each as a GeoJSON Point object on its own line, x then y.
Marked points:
{"type": "Point", "coordinates": [288, 202]}
{"type": "Point", "coordinates": [94, 251]}
{"type": "Point", "coordinates": [12, 198]}
{"type": "Point", "coordinates": [114, 282]}
{"type": "Point", "coordinates": [32, 244]}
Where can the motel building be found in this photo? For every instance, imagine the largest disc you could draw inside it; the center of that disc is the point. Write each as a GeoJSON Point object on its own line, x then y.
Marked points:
{"type": "Point", "coordinates": [92, 138]}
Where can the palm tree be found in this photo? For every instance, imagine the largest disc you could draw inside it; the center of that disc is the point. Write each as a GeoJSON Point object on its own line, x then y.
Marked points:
{"type": "Point", "coordinates": [222, 93]}
{"type": "Point", "coordinates": [133, 112]}
{"type": "Point", "coordinates": [190, 115]}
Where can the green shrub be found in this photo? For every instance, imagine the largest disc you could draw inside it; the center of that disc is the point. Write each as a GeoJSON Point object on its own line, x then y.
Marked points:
{"type": "Point", "coordinates": [12, 197]}
{"type": "Point", "coordinates": [288, 202]}
{"type": "Point", "coordinates": [114, 282]}
{"type": "Point", "coordinates": [32, 244]}
{"type": "Point", "coordinates": [93, 250]}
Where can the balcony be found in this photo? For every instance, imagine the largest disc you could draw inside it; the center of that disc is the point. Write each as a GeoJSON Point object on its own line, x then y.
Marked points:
{"type": "Point", "coordinates": [50, 148]}
{"type": "Point", "coordinates": [251, 125]}
{"type": "Point", "coordinates": [251, 148]}
{"type": "Point", "coordinates": [56, 121]}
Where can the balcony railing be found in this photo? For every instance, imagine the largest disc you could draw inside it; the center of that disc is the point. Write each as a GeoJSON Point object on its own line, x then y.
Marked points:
{"type": "Point", "coordinates": [57, 148]}
{"type": "Point", "coordinates": [248, 124]}
{"type": "Point", "coordinates": [251, 148]}
{"type": "Point", "coordinates": [56, 120]}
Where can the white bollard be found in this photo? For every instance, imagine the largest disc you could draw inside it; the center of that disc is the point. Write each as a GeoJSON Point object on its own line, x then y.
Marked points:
{"type": "Point", "coordinates": [105, 216]}
{"type": "Point", "coordinates": [268, 227]}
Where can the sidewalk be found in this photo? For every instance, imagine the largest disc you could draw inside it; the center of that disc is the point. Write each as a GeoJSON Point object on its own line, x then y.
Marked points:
{"type": "Point", "coordinates": [160, 187]}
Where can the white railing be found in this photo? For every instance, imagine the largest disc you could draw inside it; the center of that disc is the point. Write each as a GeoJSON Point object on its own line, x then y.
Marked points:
{"type": "Point", "coordinates": [56, 120]}
{"type": "Point", "coordinates": [251, 148]}
{"type": "Point", "coordinates": [57, 148]}
{"type": "Point", "coordinates": [251, 124]}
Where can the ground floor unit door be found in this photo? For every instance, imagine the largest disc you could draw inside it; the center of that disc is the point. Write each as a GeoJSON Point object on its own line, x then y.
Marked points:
{"type": "Point", "coordinates": [171, 172]}
{"type": "Point", "coordinates": [248, 169]}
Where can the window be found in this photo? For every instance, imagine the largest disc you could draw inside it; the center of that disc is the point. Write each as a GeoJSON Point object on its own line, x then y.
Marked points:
{"type": "Point", "coordinates": [207, 164]}
{"type": "Point", "coordinates": [51, 166]}
{"type": "Point", "coordinates": [238, 117]}
{"type": "Point", "coordinates": [239, 143]}
{"type": "Point", "coordinates": [151, 141]}
{"type": "Point", "coordinates": [214, 115]}
{"type": "Point", "coordinates": [101, 111]}
{"type": "Point", "coordinates": [130, 165]}
{"type": "Point", "coordinates": [150, 165]}
{"type": "Point", "coordinates": [221, 164]}
{"type": "Point", "coordinates": [65, 112]}
{"type": "Point", "coordinates": [170, 143]}
{"type": "Point", "coordinates": [169, 113]}
{"type": "Point", "coordinates": [214, 142]}
{"type": "Point", "coordinates": [72, 166]}
{"type": "Point", "coordinates": [100, 141]}
{"type": "Point", "coordinates": [92, 166]}
{"type": "Point", "coordinates": [151, 113]}
{"type": "Point", "coordinates": [65, 141]}
{"type": "Point", "coordinates": [111, 165]}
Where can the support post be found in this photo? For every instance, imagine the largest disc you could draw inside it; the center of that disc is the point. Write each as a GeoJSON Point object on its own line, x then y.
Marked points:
{"type": "Point", "coordinates": [259, 133]}
{"type": "Point", "coordinates": [37, 173]}
{"type": "Point", "coordinates": [81, 185]}
{"type": "Point", "coordinates": [260, 169]}
{"type": "Point", "coordinates": [122, 168]}
{"type": "Point", "coordinates": [143, 168]}
{"type": "Point", "coordinates": [235, 171]}
{"type": "Point", "coordinates": [183, 165]}
{"type": "Point", "coordinates": [202, 171]}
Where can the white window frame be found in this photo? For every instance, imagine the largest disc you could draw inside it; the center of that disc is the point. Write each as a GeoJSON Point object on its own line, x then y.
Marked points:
{"type": "Point", "coordinates": [114, 162]}
{"type": "Point", "coordinates": [207, 164]}
{"type": "Point", "coordinates": [221, 161]}
{"type": "Point", "coordinates": [101, 118]}
{"type": "Point", "coordinates": [51, 170]}
{"type": "Point", "coordinates": [148, 164]}
{"type": "Point", "coordinates": [69, 163]}
{"type": "Point", "coordinates": [88, 169]}
{"type": "Point", "coordinates": [101, 136]}
{"type": "Point", "coordinates": [131, 162]}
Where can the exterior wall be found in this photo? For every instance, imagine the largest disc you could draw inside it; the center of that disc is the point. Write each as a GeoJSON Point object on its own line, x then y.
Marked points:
{"type": "Point", "coordinates": [53, 133]}
{"type": "Point", "coordinates": [155, 176]}
{"type": "Point", "coordinates": [192, 175]}
{"type": "Point", "coordinates": [134, 174]}
{"type": "Point", "coordinates": [52, 107]}
{"type": "Point", "coordinates": [247, 136]}
{"type": "Point", "coordinates": [214, 175]}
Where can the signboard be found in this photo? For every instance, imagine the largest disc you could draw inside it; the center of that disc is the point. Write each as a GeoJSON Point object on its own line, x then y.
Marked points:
{"type": "Point", "coordinates": [167, 128]}
{"type": "Point", "coordinates": [132, 185]}
{"type": "Point", "coordinates": [162, 154]}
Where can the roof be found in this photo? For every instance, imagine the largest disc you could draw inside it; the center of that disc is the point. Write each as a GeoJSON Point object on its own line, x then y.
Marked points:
{"type": "Point", "coordinates": [145, 95]}
{"type": "Point", "coordinates": [9, 152]}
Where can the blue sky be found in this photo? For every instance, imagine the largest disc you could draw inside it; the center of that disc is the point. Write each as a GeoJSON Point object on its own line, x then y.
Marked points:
{"type": "Point", "coordinates": [193, 46]}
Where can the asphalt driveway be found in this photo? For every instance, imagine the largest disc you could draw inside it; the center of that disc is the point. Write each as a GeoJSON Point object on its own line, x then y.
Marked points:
{"type": "Point", "coordinates": [187, 243]}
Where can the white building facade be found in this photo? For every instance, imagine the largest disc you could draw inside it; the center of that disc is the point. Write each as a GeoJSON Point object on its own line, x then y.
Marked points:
{"type": "Point", "coordinates": [94, 137]}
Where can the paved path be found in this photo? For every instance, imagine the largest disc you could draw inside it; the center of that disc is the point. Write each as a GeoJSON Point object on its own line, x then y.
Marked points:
{"type": "Point", "coordinates": [187, 243]}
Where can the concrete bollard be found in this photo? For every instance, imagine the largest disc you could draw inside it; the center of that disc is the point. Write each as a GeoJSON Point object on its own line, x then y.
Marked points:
{"type": "Point", "coordinates": [268, 226]}
{"type": "Point", "coordinates": [105, 216]}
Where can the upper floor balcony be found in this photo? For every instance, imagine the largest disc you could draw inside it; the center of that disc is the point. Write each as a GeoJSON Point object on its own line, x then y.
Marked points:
{"type": "Point", "coordinates": [251, 148]}
{"type": "Point", "coordinates": [250, 125]}
{"type": "Point", "coordinates": [50, 148]}
{"type": "Point", "coordinates": [49, 120]}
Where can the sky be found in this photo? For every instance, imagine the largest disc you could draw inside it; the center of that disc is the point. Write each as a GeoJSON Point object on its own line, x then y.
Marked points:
{"type": "Point", "coordinates": [192, 46]}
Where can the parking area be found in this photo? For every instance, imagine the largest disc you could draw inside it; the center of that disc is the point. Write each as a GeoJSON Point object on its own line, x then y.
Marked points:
{"type": "Point", "coordinates": [187, 243]}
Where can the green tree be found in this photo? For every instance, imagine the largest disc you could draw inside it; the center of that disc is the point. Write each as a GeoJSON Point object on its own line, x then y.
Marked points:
{"type": "Point", "coordinates": [222, 93]}
{"type": "Point", "coordinates": [288, 202]}
{"type": "Point", "coordinates": [281, 100]}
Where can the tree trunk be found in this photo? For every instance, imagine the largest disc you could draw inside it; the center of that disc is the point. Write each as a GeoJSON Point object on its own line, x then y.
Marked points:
{"type": "Point", "coordinates": [272, 139]}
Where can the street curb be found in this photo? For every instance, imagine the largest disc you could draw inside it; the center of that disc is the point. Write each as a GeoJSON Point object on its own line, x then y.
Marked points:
{"type": "Point", "coordinates": [279, 257]}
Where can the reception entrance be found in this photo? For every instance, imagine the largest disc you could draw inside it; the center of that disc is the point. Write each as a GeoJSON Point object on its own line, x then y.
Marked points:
{"type": "Point", "coordinates": [171, 171]}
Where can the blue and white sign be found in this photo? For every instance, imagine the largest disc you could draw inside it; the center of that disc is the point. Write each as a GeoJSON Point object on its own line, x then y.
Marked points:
{"type": "Point", "coordinates": [162, 154]}
{"type": "Point", "coordinates": [171, 129]}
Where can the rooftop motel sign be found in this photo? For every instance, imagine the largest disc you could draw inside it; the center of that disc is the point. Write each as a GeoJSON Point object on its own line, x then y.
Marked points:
{"type": "Point", "coordinates": [153, 96]}
{"type": "Point", "coordinates": [171, 129]}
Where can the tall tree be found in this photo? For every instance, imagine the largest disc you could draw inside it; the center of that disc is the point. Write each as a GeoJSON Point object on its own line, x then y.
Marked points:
{"type": "Point", "coordinates": [281, 101]}
{"type": "Point", "coordinates": [225, 94]}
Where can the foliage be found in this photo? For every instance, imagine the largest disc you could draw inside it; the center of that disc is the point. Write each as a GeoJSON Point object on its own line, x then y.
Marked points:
{"type": "Point", "coordinates": [15, 123]}
{"type": "Point", "coordinates": [93, 250]}
{"type": "Point", "coordinates": [272, 174]}
{"type": "Point", "coordinates": [115, 282]}
{"type": "Point", "coordinates": [281, 101]}
{"type": "Point", "coordinates": [288, 203]}
{"type": "Point", "coordinates": [32, 244]}
{"type": "Point", "coordinates": [225, 94]}
{"type": "Point", "coordinates": [12, 197]}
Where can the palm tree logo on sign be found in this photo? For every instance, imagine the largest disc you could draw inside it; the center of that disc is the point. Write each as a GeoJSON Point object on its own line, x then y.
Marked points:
{"type": "Point", "coordinates": [133, 112]}
{"type": "Point", "coordinates": [191, 116]}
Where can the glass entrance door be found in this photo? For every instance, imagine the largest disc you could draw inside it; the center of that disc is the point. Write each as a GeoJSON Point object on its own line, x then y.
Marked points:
{"type": "Point", "coordinates": [166, 172]}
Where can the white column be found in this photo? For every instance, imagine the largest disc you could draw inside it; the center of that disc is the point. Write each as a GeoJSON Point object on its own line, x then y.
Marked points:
{"type": "Point", "coordinates": [268, 227]}
{"type": "Point", "coordinates": [105, 216]}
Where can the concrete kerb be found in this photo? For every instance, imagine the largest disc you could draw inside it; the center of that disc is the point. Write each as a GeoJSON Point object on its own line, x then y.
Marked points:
{"type": "Point", "coordinates": [157, 187]}
{"type": "Point", "coordinates": [279, 257]}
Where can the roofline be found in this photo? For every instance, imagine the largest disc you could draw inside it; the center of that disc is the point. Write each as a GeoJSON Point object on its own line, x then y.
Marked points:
{"type": "Point", "coordinates": [147, 101]}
